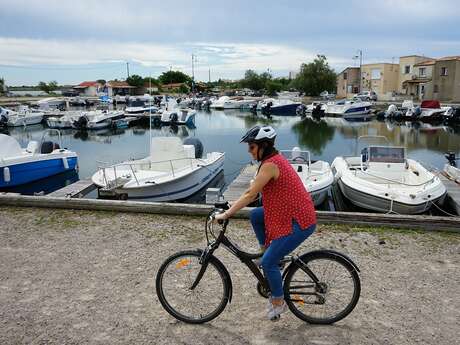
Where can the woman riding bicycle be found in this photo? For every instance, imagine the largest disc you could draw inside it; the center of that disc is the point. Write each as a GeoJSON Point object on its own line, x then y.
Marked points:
{"type": "Point", "coordinates": [287, 217]}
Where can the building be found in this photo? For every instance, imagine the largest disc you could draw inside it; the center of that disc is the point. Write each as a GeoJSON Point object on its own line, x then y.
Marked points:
{"type": "Point", "coordinates": [116, 87]}
{"type": "Point", "coordinates": [348, 82]}
{"type": "Point", "coordinates": [87, 88]}
{"type": "Point", "coordinates": [382, 78]}
{"type": "Point", "coordinates": [174, 86]}
{"type": "Point", "coordinates": [437, 79]}
{"type": "Point", "coordinates": [445, 80]}
{"type": "Point", "coordinates": [408, 72]}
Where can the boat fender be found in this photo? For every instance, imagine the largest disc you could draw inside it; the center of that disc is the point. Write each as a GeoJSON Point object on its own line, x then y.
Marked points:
{"type": "Point", "coordinates": [6, 174]}
{"type": "Point", "coordinates": [198, 146]}
{"type": "Point", "coordinates": [66, 163]}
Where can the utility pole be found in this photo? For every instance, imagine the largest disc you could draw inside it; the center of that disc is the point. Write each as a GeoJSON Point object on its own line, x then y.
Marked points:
{"type": "Point", "coordinates": [193, 73]}
{"type": "Point", "coordinates": [209, 75]}
{"type": "Point", "coordinates": [360, 69]}
{"type": "Point", "coordinates": [127, 68]}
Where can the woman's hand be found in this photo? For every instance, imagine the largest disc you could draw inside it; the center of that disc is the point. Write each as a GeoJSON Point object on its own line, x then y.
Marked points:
{"type": "Point", "coordinates": [221, 216]}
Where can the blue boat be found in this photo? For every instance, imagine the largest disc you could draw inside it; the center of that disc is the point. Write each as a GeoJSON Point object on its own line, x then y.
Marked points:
{"type": "Point", "coordinates": [284, 107]}
{"type": "Point", "coordinates": [19, 166]}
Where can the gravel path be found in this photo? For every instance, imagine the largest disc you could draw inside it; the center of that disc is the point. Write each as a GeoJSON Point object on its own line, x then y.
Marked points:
{"type": "Point", "coordinates": [76, 277]}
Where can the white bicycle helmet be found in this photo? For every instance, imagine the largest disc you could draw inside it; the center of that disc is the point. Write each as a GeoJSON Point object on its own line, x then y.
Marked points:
{"type": "Point", "coordinates": [259, 134]}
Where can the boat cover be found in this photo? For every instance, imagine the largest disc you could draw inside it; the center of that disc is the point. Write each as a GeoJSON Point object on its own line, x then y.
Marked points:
{"type": "Point", "coordinates": [9, 147]}
{"type": "Point", "coordinates": [432, 104]}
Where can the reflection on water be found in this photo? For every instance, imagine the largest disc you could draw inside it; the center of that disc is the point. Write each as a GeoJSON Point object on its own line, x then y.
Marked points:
{"type": "Point", "coordinates": [326, 138]}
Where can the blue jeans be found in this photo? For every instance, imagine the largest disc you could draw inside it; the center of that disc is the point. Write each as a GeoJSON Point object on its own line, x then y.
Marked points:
{"type": "Point", "coordinates": [278, 249]}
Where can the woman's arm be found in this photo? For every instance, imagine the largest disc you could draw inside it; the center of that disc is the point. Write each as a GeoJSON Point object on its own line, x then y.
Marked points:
{"type": "Point", "coordinates": [266, 173]}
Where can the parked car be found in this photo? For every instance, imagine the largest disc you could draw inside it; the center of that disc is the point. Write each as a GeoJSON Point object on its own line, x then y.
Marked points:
{"type": "Point", "coordinates": [367, 96]}
{"type": "Point", "coordinates": [327, 95]}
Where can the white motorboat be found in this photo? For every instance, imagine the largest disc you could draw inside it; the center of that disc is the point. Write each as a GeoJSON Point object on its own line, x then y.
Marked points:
{"type": "Point", "coordinates": [279, 107]}
{"type": "Point", "coordinates": [382, 179]}
{"type": "Point", "coordinates": [97, 119]}
{"type": "Point", "coordinates": [64, 121]}
{"type": "Point", "coordinates": [25, 116]}
{"type": "Point", "coordinates": [140, 107]}
{"type": "Point", "coordinates": [120, 99]}
{"type": "Point", "coordinates": [179, 116]}
{"type": "Point", "coordinates": [173, 171]}
{"type": "Point", "coordinates": [50, 102]}
{"type": "Point", "coordinates": [427, 111]}
{"type": "Point", "coordinates": [19, 166]}
{"type": "Point", "coordinates": [316, 176]}
{"type": "Point", "coordinates": [226, 102]}
{"type": "Point", "coordinates": [349, 109]}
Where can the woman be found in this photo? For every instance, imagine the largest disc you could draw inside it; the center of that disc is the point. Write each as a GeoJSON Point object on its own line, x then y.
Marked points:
{"type": "Point", "coordinates": [287, 217]}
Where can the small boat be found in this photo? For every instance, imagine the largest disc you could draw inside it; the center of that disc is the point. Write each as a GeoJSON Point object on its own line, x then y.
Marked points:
{"type": "Point", "coordinates": [25, 116]}
{"type": "Point", "coordinates": [120, 99]}
{"type": "Point", "coordinates": [451, 169]}
{"type": "Point", "coordinates": [50, 102]}
{"type": "Point", "coordinates": [382, 179]}
{"type": "Point", "coordinates": [19, 166]}
{"type": "Point", "coordinates": [429, 110]}
{"type": "Point", "coordinates": [77, 101]}
{"type": "Point", "coordinates": [173, 171]}
{"type": "Point", "coordinates": [64, 121]}
{"type": "Point", "coordinates": [314, 109]}
{"type": "Point", "coordinates": [279, 107]}
{"type": "Point", "coordinates": [125, 122]}
{"type": "Point", "coordinates": [97, 119]}
{"type": "Point", "coordinates": [140, 107]}
{"type": "Point", "coordinates": [178, 116]}
{"type": "Point", "coordinates": [316, 176]}
{"type": "Point", "coordinates": [350, 109]}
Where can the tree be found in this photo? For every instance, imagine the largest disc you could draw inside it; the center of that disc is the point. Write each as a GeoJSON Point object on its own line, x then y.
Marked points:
{"type": "Point", "coordinates": [252, 80]}
{"type": "Point", "coordinates": [48, 88]}
{"type": "Point", "coordinates": [153, 81]}
{"type": "Point", "coordinates": [272, 87]}
{"type": "Point", "coordinates": [183, 89]}
{"type": "Point", "coordinates": [172, 77]}
{"type": "Point", "coordinates": [135, 80]}
{"type": "Point", "coordinates": [316, 77]}
{"type": "Point", "coordinates": [101, 81]}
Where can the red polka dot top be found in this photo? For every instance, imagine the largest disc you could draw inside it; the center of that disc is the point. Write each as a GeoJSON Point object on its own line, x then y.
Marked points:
{"type": "Point", "coordinates": [285, 199]}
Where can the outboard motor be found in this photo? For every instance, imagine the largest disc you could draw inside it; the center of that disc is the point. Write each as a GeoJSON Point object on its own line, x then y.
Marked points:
{"type": "Point", "coordinates": [82, 122]}
{"type": "Point", "coordinates": [317, 111]}
{"type": "Point", "coordinates": [3, 121]}
{"type": "Point", "coordinates": [173, 118]}
{"type": "Point", "coordinates": [254, 109]}
{"type": "Point", "coordinates": [417, 111]}
{"type": "Point", "coordinates": [267, 109]}
{"type": "Point", "coordinates": [451, 158]}
{"type": "Point", "coordinates": [300, 110]}
{"type": "Point", "coordinates": [198, 146]}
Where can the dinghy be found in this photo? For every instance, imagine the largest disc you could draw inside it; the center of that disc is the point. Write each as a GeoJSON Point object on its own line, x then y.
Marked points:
{"type": "Point", "coordinates": [316, 176]}
{"type": "Point", "coordinates": [173, 171]}
{"type": "Point", "coordinates": [179, 116]}
{"type": "Point", "coordinates": [19, 166]}
{"type": "Point", "coordinates": [25, 116]}
{"type": "Point", "coordinates": [382, 179]}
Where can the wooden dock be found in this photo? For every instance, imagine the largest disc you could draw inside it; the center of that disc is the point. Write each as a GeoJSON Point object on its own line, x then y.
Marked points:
{"type": "Point", "coordinates": [75, 190]}
{"type": "Point", "coordinates": [241, 183]}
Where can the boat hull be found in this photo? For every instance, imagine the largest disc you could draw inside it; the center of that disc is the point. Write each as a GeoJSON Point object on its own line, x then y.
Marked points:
{"type": "Point", "coordinates": [22, 173]}
{"type": "Point", "coordinates": [24, 121]}
{"type": "Point", "coordinates": [384, 205]}
{"type": "Point", "coordinates": [282, 110]}
{"type": "Point", "coordinates": [176, 189]}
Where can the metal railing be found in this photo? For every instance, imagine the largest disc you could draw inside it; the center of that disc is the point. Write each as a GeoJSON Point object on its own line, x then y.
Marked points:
{"type": "Point", "coordinates": [142, 165]}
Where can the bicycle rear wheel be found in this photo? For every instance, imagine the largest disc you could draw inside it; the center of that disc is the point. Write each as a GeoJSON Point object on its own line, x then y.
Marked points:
{"type": "Point", "coordinates": [333, 298]}
{"type": "Point", "coordinates": [209, 298]}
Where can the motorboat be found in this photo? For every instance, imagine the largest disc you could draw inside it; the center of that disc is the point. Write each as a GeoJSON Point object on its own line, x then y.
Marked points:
{"type": "Point", "coordinates": [451, 168]}
{"type": "Point", "coordinates": [279, 107]}
{"type": "Point", "coordinates": [226, 102]}
{"type": "Point", "coordinates": [173, 171]}
{"type": "Point", "coordinates": [316, 176]}
{"type": "Point", "coordinates": [64, 121]}
{"type": "Point", "coordinates": [25, 116]}
{"type": "Point", "coordinates": [77, 101]}
{"type": "Point", "coordinates": [393, 112]}
{"type": "Point", "coordinates": [382, 179]}
{"type": "Point", "coordinates": [97, 119]}
{"type": "Point", "coordinates": [350, 109]}
{"type": "Point", "coordinates": [120, 99]}
{"type": "Point", "coordinates": [429, 110]}
{"type": "Point", "coordinates": [19, 166]}
{"type": "Point", "coordinates": [178, 116]}
{"type": "Point", "coordinates": [140, 107]}
{"type": "Point", "coordinates": [314, 109]}
{"type": "Point", "coordinates": [50, 102]}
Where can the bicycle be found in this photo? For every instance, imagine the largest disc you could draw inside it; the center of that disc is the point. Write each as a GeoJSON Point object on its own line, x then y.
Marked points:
{"type": "Point", "coordinates": [195, 287]}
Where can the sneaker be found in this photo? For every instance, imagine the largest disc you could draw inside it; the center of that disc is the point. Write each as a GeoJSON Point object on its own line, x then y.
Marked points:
{"type": "Point", "coordinates": [275, 311]}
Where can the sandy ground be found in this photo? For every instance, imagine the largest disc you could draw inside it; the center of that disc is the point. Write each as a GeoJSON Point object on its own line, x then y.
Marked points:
{"type": "Point", "coordinates": [75, 277]}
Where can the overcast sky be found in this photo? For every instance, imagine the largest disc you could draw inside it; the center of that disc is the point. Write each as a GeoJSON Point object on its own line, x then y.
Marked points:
{"type": "Point", "coordinates": [72, 41]}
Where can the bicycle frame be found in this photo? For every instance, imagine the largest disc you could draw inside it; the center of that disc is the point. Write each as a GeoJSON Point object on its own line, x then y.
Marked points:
{"type": "Point", "coordinates": [244, 257]}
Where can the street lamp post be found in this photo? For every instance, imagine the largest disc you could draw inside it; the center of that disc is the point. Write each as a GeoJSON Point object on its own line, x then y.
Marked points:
{"type": "Point", "coordinates": [360, 56]}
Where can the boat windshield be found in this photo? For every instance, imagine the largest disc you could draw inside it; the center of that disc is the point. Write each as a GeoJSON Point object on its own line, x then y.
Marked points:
{"type": "Point", "coordinates": [386, 154]}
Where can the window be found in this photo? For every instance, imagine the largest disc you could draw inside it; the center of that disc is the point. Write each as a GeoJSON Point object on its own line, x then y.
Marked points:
{"type": "Point", "coordinates": [345, 76]}
{"type": "Point", "coordinates": [407, 69]}
{"type": "Point", "coordinates": [443, 71]}
{"type": "Point", "coordinates": [375, 74]}
{"type": "Point", "coordinates": [435, 88]}
{"type": "Point", "coordinates": [422, 72]}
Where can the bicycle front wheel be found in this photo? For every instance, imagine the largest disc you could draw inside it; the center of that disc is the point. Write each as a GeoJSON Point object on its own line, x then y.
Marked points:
{"type": "Point", "coordinates": [332, 298]}
{"type": "Point", "coordinates": [202, 304]}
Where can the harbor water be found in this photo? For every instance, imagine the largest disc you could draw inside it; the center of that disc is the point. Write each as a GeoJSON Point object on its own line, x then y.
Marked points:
{"type": "Point", "coordinates": [325, 138]}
